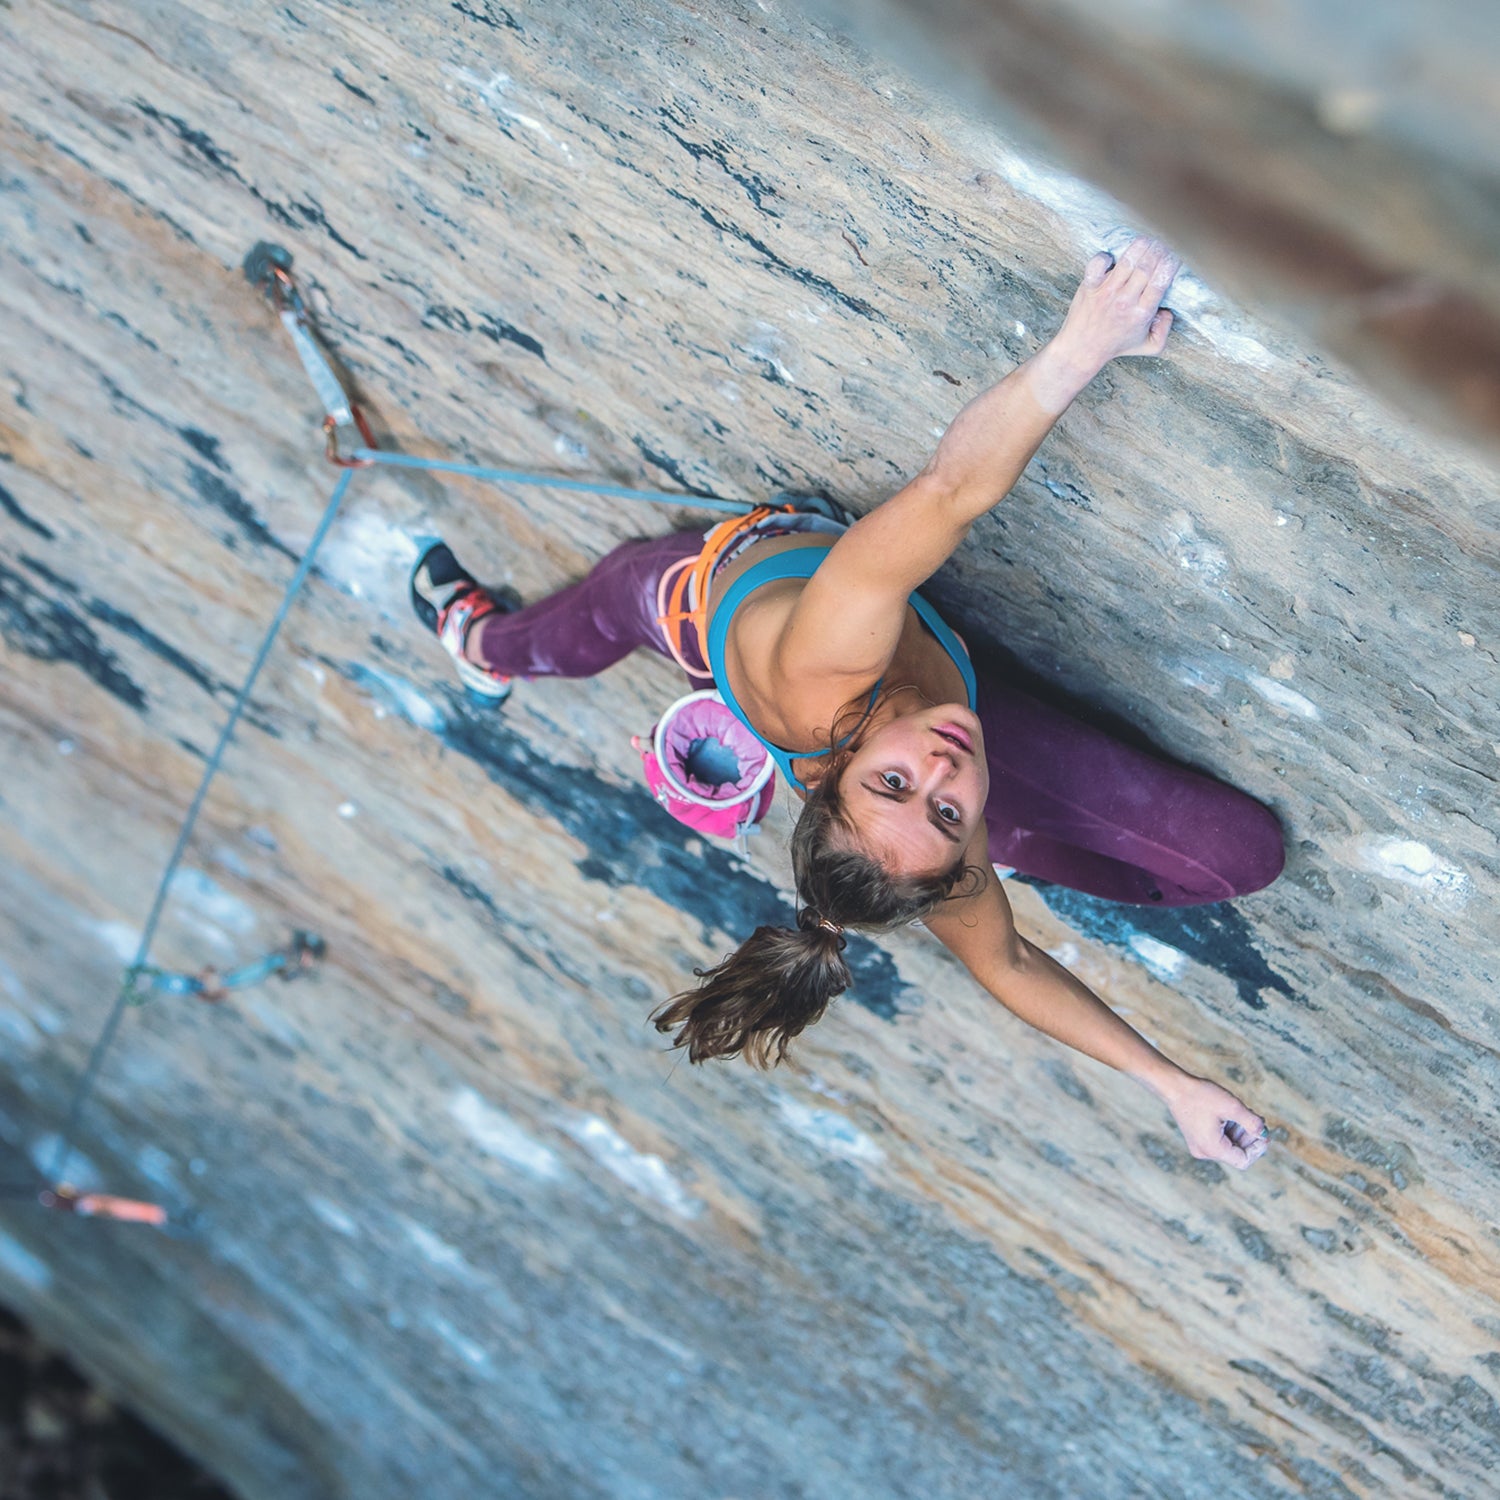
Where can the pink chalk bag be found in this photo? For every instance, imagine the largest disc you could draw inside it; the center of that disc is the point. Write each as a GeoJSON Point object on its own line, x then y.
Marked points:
{"type": "Point", "coordinates": [706, 768]}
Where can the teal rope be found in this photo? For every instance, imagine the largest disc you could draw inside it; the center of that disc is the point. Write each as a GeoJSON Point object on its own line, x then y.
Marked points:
{"type": "Point", "coordinates": [546, 481]}
{"type": "Point", "coordinates": [130, 987]}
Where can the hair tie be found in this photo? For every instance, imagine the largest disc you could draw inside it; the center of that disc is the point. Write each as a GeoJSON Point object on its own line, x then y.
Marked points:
{"type": "Point", "coordinates": [829, 926]}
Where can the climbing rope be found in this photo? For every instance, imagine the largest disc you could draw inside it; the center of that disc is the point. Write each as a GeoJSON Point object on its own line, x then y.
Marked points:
{"type": "Point", "coordinates": [371, 455]}
{"type": "Point", "coordinates": [268, 267]}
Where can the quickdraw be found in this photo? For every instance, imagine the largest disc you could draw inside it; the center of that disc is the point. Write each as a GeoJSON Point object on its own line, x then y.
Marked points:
{"type": "Point", "coordinates": [67, 1199]}
{"type": "Point", "coordinates": [270, 268]}
{"type": "Point", "coordinates": [298, 957]}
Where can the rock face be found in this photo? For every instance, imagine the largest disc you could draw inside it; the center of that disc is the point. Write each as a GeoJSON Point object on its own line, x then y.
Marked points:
{"type": "Point", "coordinates": [1336, 167]}
{"type": "Point", "coordinates": [448, 1222]}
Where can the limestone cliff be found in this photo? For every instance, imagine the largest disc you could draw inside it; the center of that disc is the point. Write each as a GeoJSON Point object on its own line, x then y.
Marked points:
{"type": "Point", "coordinates": [448, 1220]}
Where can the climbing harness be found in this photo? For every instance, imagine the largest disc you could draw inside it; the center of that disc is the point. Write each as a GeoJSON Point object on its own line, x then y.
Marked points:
{"type": "Point", "coordinates": [682, 591]}
{"type": "Point", "coordinates": [269, 268]}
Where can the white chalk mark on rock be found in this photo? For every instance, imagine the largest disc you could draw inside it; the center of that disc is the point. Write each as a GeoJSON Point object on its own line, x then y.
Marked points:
{"type": "Point", "coordinates": [82, 1173]}
{"type": "Point", "coordinates": [647, 1174]}
{"type": "Point", "coordinates": [493, 90]}
{"type": "Point", "coordinates": [156, 1166]}
{"type": "Point", "coordinates": [436, 1250]}
{"type": "Point", "coordinates": [333, 1216]}
{"type": "Point", "coordinates": [119, 937]}
{"type": "Point", "coordinates": [497, 1135]}
{"type": "Point", "coordinates": [369, 556]}
{"type": "Point", "coordinates": [1195, 555]}
{"type": "Point", "coordinates": [1162, 959]}
{"type": "Point", "coordinates": [471, 1353]}
{"type": "Point", "coordinates": [217, 915]}
{"type": "Point", "coordinates": [1202, 311]}
{"type": "Point", "coordinates": [1279, 695]}
{"type": "Point", "coordinates": [767, 344]}
{"type": "Point", "coordinates": [398, 694]}
{"type": "Point", "coordinates": [829, 1131]}
{"type": "Point", "coordinates": [1411, 863]}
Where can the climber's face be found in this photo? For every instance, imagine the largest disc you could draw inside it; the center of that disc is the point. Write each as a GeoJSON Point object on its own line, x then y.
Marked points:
{"type": "Point", "coordinates": [914, 788]}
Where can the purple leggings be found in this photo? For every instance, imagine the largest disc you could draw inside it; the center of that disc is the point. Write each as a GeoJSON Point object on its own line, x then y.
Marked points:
{"type": "Point", "coordinates": [1068, 803]}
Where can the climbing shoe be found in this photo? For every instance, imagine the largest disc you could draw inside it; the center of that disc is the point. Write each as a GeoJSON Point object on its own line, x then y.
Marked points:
{"type": "Point", "coordinates": [448, 601]}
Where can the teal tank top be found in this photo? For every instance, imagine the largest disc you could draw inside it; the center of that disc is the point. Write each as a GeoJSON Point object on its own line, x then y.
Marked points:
{"type": "Point", "coordinates": [802, 562]}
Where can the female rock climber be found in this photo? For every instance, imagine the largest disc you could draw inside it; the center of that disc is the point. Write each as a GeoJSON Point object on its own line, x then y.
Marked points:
{"type": "Point", "coordinates": [915, 777]}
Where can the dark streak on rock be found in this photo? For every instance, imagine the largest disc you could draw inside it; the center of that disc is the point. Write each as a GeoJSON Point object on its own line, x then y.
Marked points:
{"type": "Point", "coordinates": [120, 186]}
{"type": "Point", "coordinates": [796, 273]}
{"type": "Point", "coordinates": [12, 507]}
{"type": "Point", "coordinates": [1255, 1244]}
{"type": "Point", "coordinates": [47, 630]}
{"type": "Point", "coordinates": [493, 328]}
{"type": "Point", "coordinates": [504, 931]}
{"type": "Point", "coordinates": [353, 88]}
{"type": "Point", "coordinates": [756, 188]}
{"type": "Point", "coordinates": [1304, 1400]}
{"type": "Point", "coordinates": [117, 619]}
{"type": "Point", "coordinates": [673, 470]}
{"type": "Point", "coordinates": [498, 923]}
{"type": "Point", "coordinates": [205, 446]}
{"type": "Point", "coordinates": [1060, 1071]}
{"type": "Point", "coordinates": [312, 213]}
{"type": "Point", "coordinates": [198, 142]}
{"type": "Point", "coordinates": [1324, 1412]}
{"type": "Point", "coordinates": [214, 491]}
{"type": "Point", "coordinates": [1394, 1158]}
{"type": "Point", "coordinates": [849, 241]}
{"type": "Point", "coordinates": [633, 843]}
{"type": "Point", "coordinates": [1216, 936]}
{"type": "Point", "coordinates": [135, 333]}
{"type": "Point", "coordinates": [489, 14]}
{"type": "Point", "coordinates": [202, 146]}
{"type": "Point", "coordinates": [403, 351]}
{"type": "Point", "coordinates": [128, 625]}
{"type": "Point", "coordinates": [454, 318]}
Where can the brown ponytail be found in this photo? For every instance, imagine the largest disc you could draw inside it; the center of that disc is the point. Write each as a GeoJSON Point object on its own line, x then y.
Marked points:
{"type": "Point", "coordinates": [779, 981]}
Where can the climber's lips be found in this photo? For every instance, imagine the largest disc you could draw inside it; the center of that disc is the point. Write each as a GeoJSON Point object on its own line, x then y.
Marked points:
{"type": "Point", "coordinates": [955, 736]}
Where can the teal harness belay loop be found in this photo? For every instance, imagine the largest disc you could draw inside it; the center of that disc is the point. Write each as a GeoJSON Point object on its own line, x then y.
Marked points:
{"type": "Point", "coordinates": [803, 562]}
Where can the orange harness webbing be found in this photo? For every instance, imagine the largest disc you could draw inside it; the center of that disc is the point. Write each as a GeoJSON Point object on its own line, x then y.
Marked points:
{"type": "Point", "coordinates": [682, 593]}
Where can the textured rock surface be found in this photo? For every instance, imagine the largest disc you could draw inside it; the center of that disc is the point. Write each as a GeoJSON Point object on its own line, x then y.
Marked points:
{"type": "Point", "coordinates": [455, 1225]}
{"type": "Point", "coordinates": [1335, 164]}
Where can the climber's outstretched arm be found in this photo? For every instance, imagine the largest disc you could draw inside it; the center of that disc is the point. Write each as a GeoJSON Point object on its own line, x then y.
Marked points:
{"type": "Point", "coordinates": [979, 929]}
{"type": "Point", "coordinates": [848, 618]}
